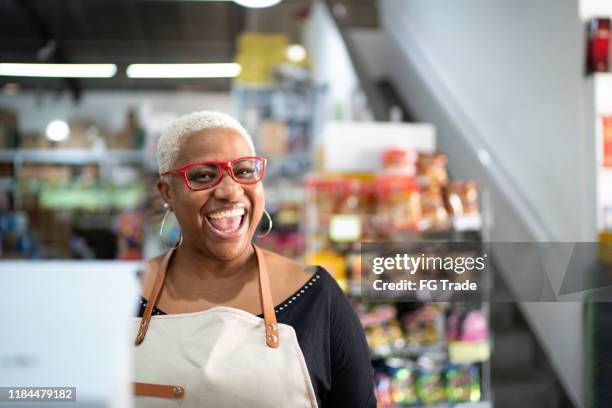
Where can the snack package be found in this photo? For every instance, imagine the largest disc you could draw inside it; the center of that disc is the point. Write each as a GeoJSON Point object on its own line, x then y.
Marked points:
{"type": "Point", "coordinates": [467, 326]}
{"type": "Point", "coordinates": [462, 198]}
{"type": "Point", "coordinates": [384, 392]}
{"type": "Point", "coordinates": [403, 381]}
{"type": "Point", "coordinates": [399, 161]}
{"type": "Point", "coordinates": [462, 383]}
{"type": "Point", "coordinates": [424, 325]}
{"type": "Point", "coordinates": [383, 340]}
{"type": "Point", "coordinates": [430, 385]}
{"type": "Point", "coordinates": [398, 203]}
{"type": "Point", "coordinates": [431, 169]}
{"type": "Point", "coordinates": [435, 216]}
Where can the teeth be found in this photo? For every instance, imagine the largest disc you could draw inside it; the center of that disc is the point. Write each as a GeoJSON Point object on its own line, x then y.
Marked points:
{"type": "Point", "coordinates": [227, 213]}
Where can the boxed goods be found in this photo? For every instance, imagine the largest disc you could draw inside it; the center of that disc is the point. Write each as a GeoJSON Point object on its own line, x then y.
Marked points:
{"type": "Point", "coordinates": [273, 138]}
{"type": "Point", "coordinates": [432, 169]}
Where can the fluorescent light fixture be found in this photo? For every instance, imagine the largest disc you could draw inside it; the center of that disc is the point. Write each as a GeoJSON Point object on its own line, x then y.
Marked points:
{"type": "Point", "coordinates": [58, 70]}
{"type": "Point", "coordinates": [295, 53]}
{"type": "Point", "coordinates": [57, 131]}
{"type": "Point", "coordinates": [220, 70]}
{"type": "Point", "coordinates": [257, 3]}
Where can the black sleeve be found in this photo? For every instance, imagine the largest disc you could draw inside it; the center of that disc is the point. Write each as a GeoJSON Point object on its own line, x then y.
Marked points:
{"type": "Point", "coordinates": [351, 369]}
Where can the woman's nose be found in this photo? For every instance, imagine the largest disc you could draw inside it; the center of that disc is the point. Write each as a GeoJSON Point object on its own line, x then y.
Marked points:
{"type": "Point", "coordinates": [228, 189]}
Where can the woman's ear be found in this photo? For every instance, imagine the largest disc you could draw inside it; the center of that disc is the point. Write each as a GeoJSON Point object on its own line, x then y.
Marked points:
{"type": "Point", "coordinates": [164, 191]}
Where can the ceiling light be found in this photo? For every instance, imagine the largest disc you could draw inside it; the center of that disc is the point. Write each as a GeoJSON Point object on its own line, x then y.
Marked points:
{"type": "Point", "coordinates": [222, 70]}
{"type": "Point", "coordinates": [295, 53]}
{"type": "Point", "coordinates": [57, 131]}
{"type": "Point", "coordinates": [257, 3]}
{"type": "Point", "coordinates": [58, 70]}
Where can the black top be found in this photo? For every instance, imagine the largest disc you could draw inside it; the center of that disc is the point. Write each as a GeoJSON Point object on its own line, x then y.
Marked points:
{"type": "Point", "coordinates": [332, 341]}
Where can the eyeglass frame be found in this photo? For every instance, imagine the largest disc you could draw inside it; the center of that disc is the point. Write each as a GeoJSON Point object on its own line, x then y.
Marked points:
{"type": "Point", "coordinates": [222, 165]}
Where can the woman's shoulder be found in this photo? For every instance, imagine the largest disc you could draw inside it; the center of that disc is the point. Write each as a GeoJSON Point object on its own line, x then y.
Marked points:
{"type": "Point", "coordinates": [280, 264]}
{"type": "Point", "coordinates": [151, 266]}
{"type": "Point", "coordinates": [286, 274]}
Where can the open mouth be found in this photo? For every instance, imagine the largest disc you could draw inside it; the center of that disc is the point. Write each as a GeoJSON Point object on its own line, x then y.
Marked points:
{"type": "Point", "coordinates": [227, 223]}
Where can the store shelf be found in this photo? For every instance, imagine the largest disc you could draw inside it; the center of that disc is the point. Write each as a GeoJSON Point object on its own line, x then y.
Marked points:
{"type": "Point", "coordinates": [6, 184]}
{"type": "Point", "coordinates": [71, 156]}
{"type": "Point", "coordinates": [481, 404]}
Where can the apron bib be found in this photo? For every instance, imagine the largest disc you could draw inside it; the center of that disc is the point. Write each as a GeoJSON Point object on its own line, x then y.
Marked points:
{"type": "Point", "coordinates": [220, 357]}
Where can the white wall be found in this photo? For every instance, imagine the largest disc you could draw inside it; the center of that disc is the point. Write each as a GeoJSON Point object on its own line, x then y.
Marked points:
{"type": "Point", "coordinates": [503, 83]}
{"type": "Point", "coordinates": [331, 64]}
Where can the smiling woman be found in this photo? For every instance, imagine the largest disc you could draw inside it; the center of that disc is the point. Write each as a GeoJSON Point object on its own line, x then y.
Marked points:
{"type": "Point", "coordinates": [223, 323]}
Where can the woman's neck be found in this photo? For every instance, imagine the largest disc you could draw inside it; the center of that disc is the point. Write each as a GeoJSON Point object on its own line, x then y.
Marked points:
{"type": "Point", "coordinates": [195, 271]}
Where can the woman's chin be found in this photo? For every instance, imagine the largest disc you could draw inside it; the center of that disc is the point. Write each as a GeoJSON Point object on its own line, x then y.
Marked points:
{"type": "Point", "coordinates": [227, 245]}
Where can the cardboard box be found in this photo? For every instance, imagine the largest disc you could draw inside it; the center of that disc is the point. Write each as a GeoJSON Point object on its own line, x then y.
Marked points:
{"type": "Point", "coordinates": [273, 138]}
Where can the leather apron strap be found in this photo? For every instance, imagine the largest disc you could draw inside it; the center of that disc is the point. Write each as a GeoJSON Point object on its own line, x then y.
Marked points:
{"type": "Point", "coordinates": [267, 304]}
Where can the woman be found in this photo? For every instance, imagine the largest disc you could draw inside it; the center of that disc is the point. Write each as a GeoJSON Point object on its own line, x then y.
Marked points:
{"type": "Point", "coordinates": [224, 323]}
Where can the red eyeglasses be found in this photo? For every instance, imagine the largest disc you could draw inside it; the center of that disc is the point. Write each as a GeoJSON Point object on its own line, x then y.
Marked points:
{"type": "Point", "coordinates": [207, 174]}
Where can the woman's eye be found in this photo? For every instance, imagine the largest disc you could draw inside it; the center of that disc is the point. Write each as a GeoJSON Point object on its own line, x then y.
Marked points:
{"type": "Point", "coordinates": [202, 176]}
{"type": "Point", "coordinates": [245, 171]}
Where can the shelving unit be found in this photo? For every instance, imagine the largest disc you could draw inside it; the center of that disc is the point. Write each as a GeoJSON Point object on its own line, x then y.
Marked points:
{"type": "Point", "coordinates": [394, 346]}
{"type": "Point", "coordinates": [32, 198]}
{"type": "Point", "coordinates": [284, 121]}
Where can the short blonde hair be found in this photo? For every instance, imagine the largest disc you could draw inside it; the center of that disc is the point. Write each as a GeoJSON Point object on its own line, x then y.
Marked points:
{"type": "Point", "coordinates": [172, 139]}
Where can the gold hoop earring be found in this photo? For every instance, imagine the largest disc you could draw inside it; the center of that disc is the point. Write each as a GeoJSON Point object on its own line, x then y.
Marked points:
{"type": "Point", "coordinates": [270, 224]}
{"type": "Point", "coordinates": [161, 228]}
{"type": "Point", "coordinates": [180, 241]}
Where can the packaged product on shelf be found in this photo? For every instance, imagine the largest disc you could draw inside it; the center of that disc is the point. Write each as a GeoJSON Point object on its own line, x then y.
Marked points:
{"type": "Point", "coordinates": [462, 198]}
{"type": "Point", "coordinates": [257, 54]}
{"type": "Point", "coordinates": [398, 204]}
{"type": "Point", "coordinates": [332, 261]}
{"type": "Point", "coordinates": [298, 136]}
{"type": "Point", "coordinates": [467, 325]}
{"type": "Point", "coordinates": [431, 169]}
{"type": "Point", "coordinates": [79, 137]}
{"type": "Point", "coordinates": [273, 138]}
{"type": "Point", "coordinates": [430, 383]}
{"type": "Point", "coordinates": [353, 262]}
{"type": "Point", "coordinates": [383, 331]}
{"type": "Point", "coordinates": [377, 316]}
{"type": "Point", "coordinates": [399, 161]}
{"type": "Point", "coordinates": [8, 129]}
{"type": "Point", "coordinates": [462, 383]}
{"type": "Point", "coordinates": [35, 140]}
{"type": "Point", "coordinates": [403, 381]}
{"type": "Point", "coordinates": [320, 204]}
{"type": "Point", "coordinates": [425, 325]}
{"type": "Point", "coordinates": [130, 137]}
{"type": "Point", "coordinates": [289, 244]}
{"type": "Point", "coordinates": [345, 224]}
{"type": "Point", "coordinates": [384, 389]}
{"type": "Point", "coordinates": [435, 216]}
{"type": "Point", "coordinates": [130, 235]}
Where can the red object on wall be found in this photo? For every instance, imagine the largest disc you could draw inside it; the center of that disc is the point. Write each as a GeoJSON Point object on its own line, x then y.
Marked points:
{"type": "Point", "coordinates": [599, 45]}
{"type": "Point", "coordinates": [607, 141]}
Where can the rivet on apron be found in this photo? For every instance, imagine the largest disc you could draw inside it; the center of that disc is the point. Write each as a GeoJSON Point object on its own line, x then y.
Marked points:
{"type": "Point", "coordinates": [272, 326]}
{"type": "Point", "coordinates": [177, 391]}
{"type": "Point", "coordinates": [272, 338]}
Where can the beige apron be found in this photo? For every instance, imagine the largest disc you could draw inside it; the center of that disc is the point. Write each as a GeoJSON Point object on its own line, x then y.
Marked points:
{"type": "Point", "coordinates": [221, 357]}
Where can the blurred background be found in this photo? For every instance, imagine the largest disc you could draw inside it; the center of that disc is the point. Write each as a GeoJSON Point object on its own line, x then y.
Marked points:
{"type": "Point", "coordinates": [382, 120]}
